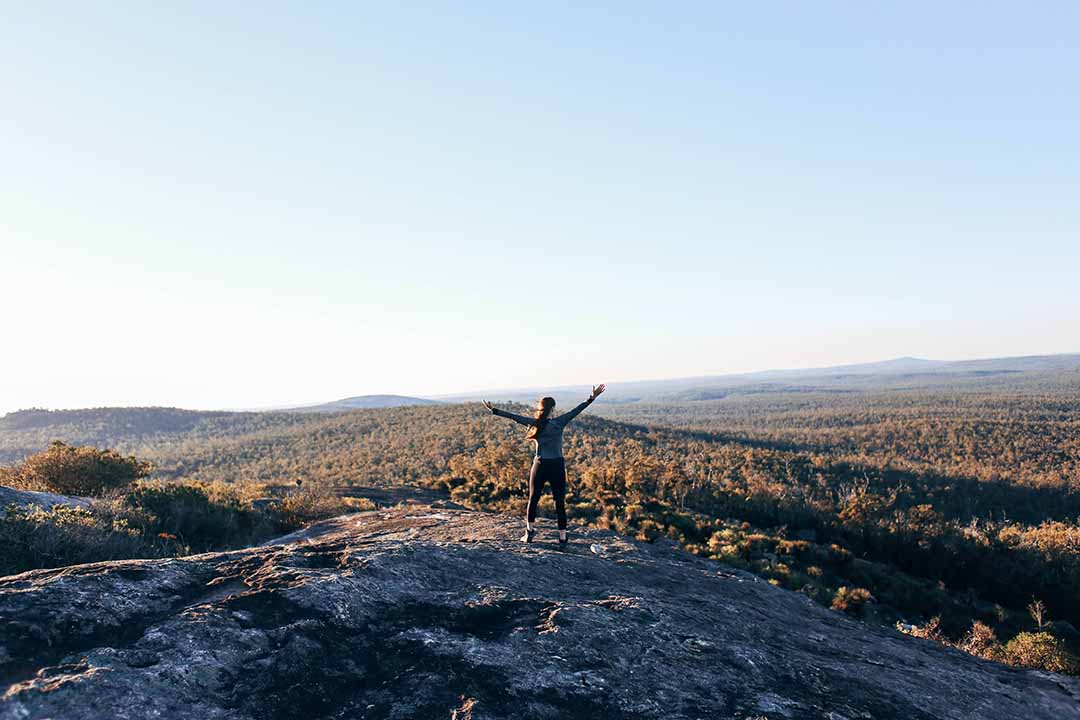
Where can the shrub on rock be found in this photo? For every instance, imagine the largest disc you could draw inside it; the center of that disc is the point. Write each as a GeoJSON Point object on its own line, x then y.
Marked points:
{"type": "Point", "coordinates": [1040, 650]}
{"type": "Point", "coordinates": [85, 471]}
{"type": "Point", "coordinates": [188, 513]}
{"type": "Point", "coordinates": [851, 600]}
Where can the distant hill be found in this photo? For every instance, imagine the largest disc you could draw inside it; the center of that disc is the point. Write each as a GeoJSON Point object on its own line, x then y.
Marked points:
{"type": "Point", "coordinates": [883, 367]}
{"type": "Point", "coordinates": [130, 420]}
{"type": "Point", "coordinates": [365, 402]}
{"type": "Point", "coordinates": [138, 428]}
{"type": "Point", "coordinates": [28, 431]}
{"type": "Point", "coordinates": [25, 432]}
{"type": "Point", "coordinates": [905, 373]}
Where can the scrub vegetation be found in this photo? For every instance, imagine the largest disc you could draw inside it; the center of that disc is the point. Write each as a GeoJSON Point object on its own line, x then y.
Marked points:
{"type": "Point", "coordinates": [133, 518]}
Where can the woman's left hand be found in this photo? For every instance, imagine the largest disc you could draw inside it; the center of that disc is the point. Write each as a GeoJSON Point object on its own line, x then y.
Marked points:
{"type": "Point", "coordinates": [597, 389]}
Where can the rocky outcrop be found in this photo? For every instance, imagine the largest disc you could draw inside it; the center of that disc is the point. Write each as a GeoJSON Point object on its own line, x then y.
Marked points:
{"type": "Point", "coordinates": [46, 500]}
{"type": "Point", "coordinates": [421, 612]}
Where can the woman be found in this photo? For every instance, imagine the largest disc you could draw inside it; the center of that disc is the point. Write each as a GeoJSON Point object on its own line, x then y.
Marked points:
{"type": "Point", "coordinates": [548, 465]}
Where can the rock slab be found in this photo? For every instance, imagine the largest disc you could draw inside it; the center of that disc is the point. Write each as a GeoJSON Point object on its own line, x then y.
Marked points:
{"type": "Point", "coordinates": [422, 612]}
{"type": "Point", "coordinates": [44, 500]}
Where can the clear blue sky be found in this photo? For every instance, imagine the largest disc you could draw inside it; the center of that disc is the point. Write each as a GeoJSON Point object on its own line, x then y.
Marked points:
{"type": "Point", "coordinates": [233, 204]}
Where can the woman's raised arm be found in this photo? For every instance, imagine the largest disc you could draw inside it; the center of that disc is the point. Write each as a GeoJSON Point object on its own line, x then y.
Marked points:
{"type": "Point", "coordinates": [519, 419]}
{"type": "Point", "coordinates": [568, 416]}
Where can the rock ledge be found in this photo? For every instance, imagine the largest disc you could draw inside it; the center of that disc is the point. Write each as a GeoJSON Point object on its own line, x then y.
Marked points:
{"type": "Point", "coordinates": [422, 612]}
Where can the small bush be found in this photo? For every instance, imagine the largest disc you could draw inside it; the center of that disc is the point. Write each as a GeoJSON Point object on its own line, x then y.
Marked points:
{"type": "Point", "coordinates": [85, 471]}
{"type": "Point", "coordinates": [62, 535]}
{"type": "Point", "coordinates": [359, 503]}
{"type": "Point", "coordinates": [981, 641]}
{"type": "Point", "coordinates": [851, 600]}
{"type": "Point", "coordinates": [1040, 650]}
{"type": "Point", "coordinates": [930, 631]}
{"type": "Point", "coordinates": [302, 508]}
{"type": "Point", "coordinates": [648, 531]}
{"type": "Point", "coordinates": [187, 513]}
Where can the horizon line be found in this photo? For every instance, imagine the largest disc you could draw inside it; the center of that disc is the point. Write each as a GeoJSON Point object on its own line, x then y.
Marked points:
{"type": "Point", "coordinates": [464, 395]}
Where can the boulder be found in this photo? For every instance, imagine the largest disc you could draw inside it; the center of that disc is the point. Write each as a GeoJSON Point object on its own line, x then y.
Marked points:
{"type": "Point", "coordinates": [46, 500]}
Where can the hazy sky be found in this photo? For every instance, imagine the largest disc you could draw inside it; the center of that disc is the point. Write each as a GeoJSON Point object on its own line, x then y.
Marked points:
{"type": "Point", "coordinates": [235, 205]}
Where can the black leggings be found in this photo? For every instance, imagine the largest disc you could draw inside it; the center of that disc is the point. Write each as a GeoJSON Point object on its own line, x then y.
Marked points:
{"type": "Point", "coordinates": [552, 470]}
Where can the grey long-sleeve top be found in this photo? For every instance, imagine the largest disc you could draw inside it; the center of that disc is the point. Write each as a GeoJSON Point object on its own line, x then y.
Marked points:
{"type": "Point", "coordinates": [549, 440]}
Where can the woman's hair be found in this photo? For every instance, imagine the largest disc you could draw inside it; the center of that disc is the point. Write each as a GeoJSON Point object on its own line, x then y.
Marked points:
{"type": "Point", "coordinates": [540, 417]}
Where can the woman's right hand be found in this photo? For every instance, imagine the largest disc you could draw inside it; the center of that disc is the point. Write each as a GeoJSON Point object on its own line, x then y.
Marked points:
{"type": "Point", "coordinates": [488, 406]}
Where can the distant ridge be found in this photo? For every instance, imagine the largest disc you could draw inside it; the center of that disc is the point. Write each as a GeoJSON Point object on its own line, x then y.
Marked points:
{"type": "Point", "coordinates": [907, 373]}
{"type": "Point", "coordinates": [902, 365]}
{"type": "Point", "coordinates": [886, 367]}
{"type": "Point", "coordinates": [364, 402]}
{"type": "Point", "coordinates": [902, 372]}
